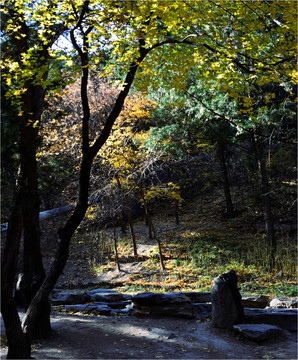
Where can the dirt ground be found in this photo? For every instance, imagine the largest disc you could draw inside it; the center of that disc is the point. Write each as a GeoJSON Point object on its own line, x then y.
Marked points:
{"type": "Point", "coordinates": [130, 337]}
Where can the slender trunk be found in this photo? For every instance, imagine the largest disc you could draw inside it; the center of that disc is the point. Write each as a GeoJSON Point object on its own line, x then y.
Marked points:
{"type": "Point", "coordinates": [151, 226]}
{"type": "Point", "coordinates": [226, 183]}
{"type": "Point", "coordinates": [133, 236]}
{"type": "Point", "coordinates": [266, 199]}
{"type": "Point", "coordinates": [116, 246]}
{"type": "Point", "coordinates": [177, 222]}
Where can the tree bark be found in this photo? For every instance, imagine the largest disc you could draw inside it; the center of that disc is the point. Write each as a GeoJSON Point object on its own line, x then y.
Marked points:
{"type": "Point", "coordinates": [33, 271]}
{"type": "Point", "coordinates": [18, 346]}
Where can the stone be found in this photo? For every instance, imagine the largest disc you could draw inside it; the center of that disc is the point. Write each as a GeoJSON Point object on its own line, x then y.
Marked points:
{"type": "Point", "coordinates": [282, 302]}
{"type": "Point", "coordinates": [69, 298]}
{"type": "Point", "coordinates": [258, 332]}
{"type": "Point", "coordinates": [88, 308]}
{"type": "Point", "coordinates": [203, 310]}
{"type": "Point", "coordinates": [227, 308]}
{"type": "Point", "coordinates": [255, 301]}
{"type": "Point", "coordinates": [107, 295]}
{"type": "Point", "coordinates": [283, 318]}
{"type": "Point", "coordinates": [170, 304]}
{"type": "Point", "coordinates": [115, 304]}
{"type": "Point", "coordinates": [196, 296]}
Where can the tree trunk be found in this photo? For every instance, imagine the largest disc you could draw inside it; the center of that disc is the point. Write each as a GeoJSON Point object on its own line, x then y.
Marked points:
{"type": "Point", "coordinates": [133, 236]}
{"type": "Point", "coordinates": [18, 346]}
{"type": "Point", "coordinates": [33, 271]}
{"type": "Point", "coordinates": [226, 183]}
{"type": "Point", "coordinates": [266, 199]}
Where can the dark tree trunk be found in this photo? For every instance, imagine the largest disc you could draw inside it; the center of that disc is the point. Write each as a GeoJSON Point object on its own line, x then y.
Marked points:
{"type": "Point", "coordinates": [18, 346]}
{"type": "Point", "coordinates": [33, 271]}
{"type": "Point", "coordinates": [226, 183]}
{"type": "Point", "coordinates": [266, 199]}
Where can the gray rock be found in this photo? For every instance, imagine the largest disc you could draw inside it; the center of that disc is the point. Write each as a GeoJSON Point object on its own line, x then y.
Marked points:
{"type": "Point", "coordinates": [255, 301]}
{"type": "Point", "coordinates": [88, 308]}
{"type": "Point", "coordinates": [203, 310]}
{"type": "Point", "coordinates": [284, 318]}
{"type": "Point", "coordinates": [105, 295]}
{"type": "Point", "coordinates": [258, 332]}
{"type": "Point", "coordinates": [282, 302]}
{"type": "Point", "coordinates": [196, 297]}
{"type": "Point", "coordinates": [69, 298]}
{"type": "Point", "coordinates": [227, 309]}
{"type": "Point", "coordinates": [170, 304]}
{"type": "Point", "coordinates": [115, 304]}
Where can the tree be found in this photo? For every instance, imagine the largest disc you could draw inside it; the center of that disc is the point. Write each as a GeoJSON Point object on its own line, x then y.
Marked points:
{"type": "Point", "coordinates": [26, 73]}
{"type": "Point", "coordinates": [139, 30]}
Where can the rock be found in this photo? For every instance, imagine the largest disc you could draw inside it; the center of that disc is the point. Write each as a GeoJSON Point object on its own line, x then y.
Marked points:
{"type": "Point", "coordinates": [107, 295]}
{"type": "Point", "coordinates": [258, 332]}
{"type": "Point", "coordinates": [284, 318]}
{"type": "Point", "coordinates": [203, 310]}
{"type": "Point", "coordinates": [98, 309]}
{"type": "Point", "coordinates": [115, 304]}
{"type": "Point", "coordinates": [196, 297]}
{"type": "Point", "coordinates": [227, 309]}
{"type": "Point", "coordinates": [282, 302]}
{"type": "Point", "coordinates": [69, 298]}
{"type": "Point", "coordinates": [255, 301]}
{"type": "Point", "coordinates": [170, 304]}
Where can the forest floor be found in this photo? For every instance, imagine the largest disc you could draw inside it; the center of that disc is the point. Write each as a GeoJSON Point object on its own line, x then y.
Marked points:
{"type": "Point", "coordinates": [130, 337]}
{"type": "Point", "coordinates": [215, 240]}
{"type": "Point", "coordinates": [203, 245]}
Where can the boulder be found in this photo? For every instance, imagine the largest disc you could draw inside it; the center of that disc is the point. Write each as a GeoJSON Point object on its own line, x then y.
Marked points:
{"type": "Point", "coordinates": [255, 301]}
{"type": "Point", "coordinates": [170, 304]}
{"type": "Point", "coordinates": [283, 318]}
{"type": "Point", "coordinates": [227, 309]}
{"type": "Point", "coordinates": [107, 295]}
{"type": "Point", "coordinates": [69, 298]}
{"type": "Point", "coordinates": [196, 297]}
{"type": "Point", "coordinates": [88, 308]}
{"type": "Point", "coordinates": [258, 332]}
{"type": "Point", "coordinates": [203, 310]}
{"type": "Point", "coordinates": [282, 302]}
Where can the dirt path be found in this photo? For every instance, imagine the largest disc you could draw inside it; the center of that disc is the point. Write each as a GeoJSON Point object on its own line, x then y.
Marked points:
{"type": "Point", "coordinates": [129, 337]}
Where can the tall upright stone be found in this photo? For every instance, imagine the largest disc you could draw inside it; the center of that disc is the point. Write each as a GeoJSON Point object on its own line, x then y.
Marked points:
{"type": "Point", "coordinates": [227, 309]}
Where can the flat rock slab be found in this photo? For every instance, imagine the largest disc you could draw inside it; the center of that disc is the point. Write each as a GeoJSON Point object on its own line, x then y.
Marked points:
{"type": "Point", "coordinates": [69, 298]}
{"type": "Point", "coordinates": [258, 332]}
{"type": "Point", "coordinates": [88, 308]}
{"type": "Point", "coordinates": [284, 318]}
{"type": "Point", "coordinates": [255, 301]}
{"type": "Point", "coordinates": [169, 304]}
{"type": "Point", "coordinates": [107, 295]}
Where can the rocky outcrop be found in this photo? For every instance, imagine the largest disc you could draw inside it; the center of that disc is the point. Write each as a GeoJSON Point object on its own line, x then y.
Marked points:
{"type": "Point", "coordinates": [175, 304]}
{"type": "Point", "coordinates": [170, 304]}
{"type": "Point", "coordinates": [258, 332]}
{"type": "Point", "coordinates": [283, 318]}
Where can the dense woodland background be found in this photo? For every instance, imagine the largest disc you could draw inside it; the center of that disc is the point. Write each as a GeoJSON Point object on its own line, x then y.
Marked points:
{"type": "Point", "coordinates": [179, 117]}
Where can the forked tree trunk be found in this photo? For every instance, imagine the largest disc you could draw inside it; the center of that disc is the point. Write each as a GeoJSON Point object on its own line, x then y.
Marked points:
{"type": "Point", "coordinates": [18, 346]}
